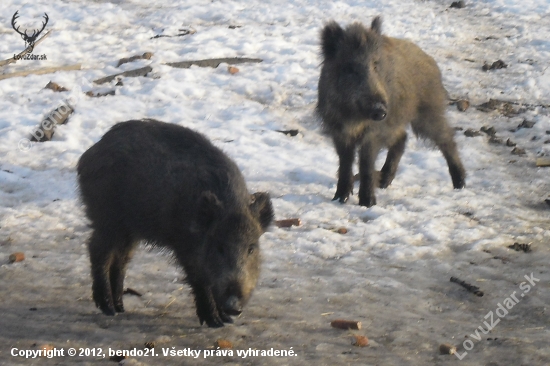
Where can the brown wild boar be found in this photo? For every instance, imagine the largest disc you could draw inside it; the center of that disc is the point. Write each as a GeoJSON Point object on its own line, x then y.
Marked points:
{"type": "Point", "coordinates": [371, 87]}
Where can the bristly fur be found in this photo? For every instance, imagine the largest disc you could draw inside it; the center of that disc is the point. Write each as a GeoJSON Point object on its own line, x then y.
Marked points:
{"type": "Point", "coordinates": [171, 187]}
{"type": "Point", "coordinates": [341, 48]}
{"type": "Point", "coordinates": [370, 88]}
{"type": "Point", "coordinates": [376, 25]}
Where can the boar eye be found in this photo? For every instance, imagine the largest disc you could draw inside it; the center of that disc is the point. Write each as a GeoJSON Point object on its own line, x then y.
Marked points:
{"type": "Point", "coordinates": [251, 249]}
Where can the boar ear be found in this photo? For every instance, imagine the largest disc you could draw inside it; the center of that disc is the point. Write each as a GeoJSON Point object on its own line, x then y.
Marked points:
{"type": "Point", "coordinates": [376, 25]}
{"type": "Point", "coordinates": [262, 209]}
{"type": "Point", "coordinates": [330, 36]}
{"type": "Point", "coordinates": [208, 210]}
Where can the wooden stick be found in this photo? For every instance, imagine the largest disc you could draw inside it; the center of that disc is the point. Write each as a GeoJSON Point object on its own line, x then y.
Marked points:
{"type": "Point", "coordinates": [288, 222]}
{"type": "Point", "coordinates": [474, 289]}
{"type": "Point", "coordinates": [345, 324]}
{"type": "Point", "coordinates": [27, 50]}
{"type": "Point", "coordinates": [130, 73]}
{"type": "Point", "coordinates": [131, 291]}
{"type": "Point", "coordinates": [145, 56]}
{"type": "Point", "coordinates": [45, 70]}
{"type": "Point", "coordinates": [213, 62]}
{"type": "Point", "coordinates": [517, 247]}
{"type": "Point", "coordinates": [46, 128]}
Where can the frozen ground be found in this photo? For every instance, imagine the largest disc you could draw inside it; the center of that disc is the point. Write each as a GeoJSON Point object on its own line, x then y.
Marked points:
{"type": "Point", "coordinates": [390, 271]}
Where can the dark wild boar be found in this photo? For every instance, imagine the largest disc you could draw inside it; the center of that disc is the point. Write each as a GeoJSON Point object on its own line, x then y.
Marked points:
{"type": "Point", "coordinates": [169, 186]}
{"type": "Point", "coordinates": [371, 87]}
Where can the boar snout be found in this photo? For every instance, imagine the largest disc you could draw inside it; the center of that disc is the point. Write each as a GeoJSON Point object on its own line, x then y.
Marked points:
{"type": "Point", "coordinates": [233, 306]}
{"type": "Point", "coordinates": [379, 112]}
{"type": "Point", "coordinates": [374, 110]}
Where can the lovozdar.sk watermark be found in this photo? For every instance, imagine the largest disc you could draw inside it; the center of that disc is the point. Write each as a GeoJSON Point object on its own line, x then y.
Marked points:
{"type": "Point", "coordinates": [501, 311]}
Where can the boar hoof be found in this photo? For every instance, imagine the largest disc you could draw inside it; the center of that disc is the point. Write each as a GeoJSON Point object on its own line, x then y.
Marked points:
{"type": "Point", "coordinates": [340, 197]}
{"type": "Point", "coordinates": [232, 306]}
{"type": "Point", "coordinates": [226, 318]}
{"type": "Point", "coordinates": [109, 311]}
{"type": "Point", "coordinates": [119, 308]}
{"type": "Point", "coordinates": [213, 322]}
{"type": "Point", "coordinates": [385, 182]}
{"type": "Point", "coordinates": [367, 202]}
{"type": "Point", "coordinates": [459, 183]}
{"type": "Point", "coordinates": [218, 323]}
{"type": "Point", "coordinates": [105, 305]}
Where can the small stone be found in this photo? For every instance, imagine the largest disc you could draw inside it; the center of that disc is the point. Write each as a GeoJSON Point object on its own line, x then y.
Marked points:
{"type": "Point", "coordinates": [458, 4]}
{"type": "Point", "coordinates": [17, 257]}
{"type": "Point", "coordinates": [498, 64]}
{"type": "Point", "coordinates": [360, 341]}
{"type": "Point", "coordinates": [488, 130]}
{"type": "Point", "coordinates": [472, 133]}
{"type": "Point", "coordinates": [232, 70]}
{"type": "Point", "coordinates": [510, 143]}
{"type": "Point", "coordinates": [342, 230]}
{"type": "Point", "coordinates": [447, 349]}
{"type": "Point", "coordinates": [526, 124]}
{"type": "Point", "coordinates": [224, 344]}
{"type": "Point", "coordinates": [462, 105]}
{"type": "Point", "coordinates": [495, 140]}
{"type": "Point", "coordinates": [518, 151]}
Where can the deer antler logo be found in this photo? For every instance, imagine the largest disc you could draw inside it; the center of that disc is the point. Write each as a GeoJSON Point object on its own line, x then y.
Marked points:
{"type": "Point", "coordinates": [29, 39]}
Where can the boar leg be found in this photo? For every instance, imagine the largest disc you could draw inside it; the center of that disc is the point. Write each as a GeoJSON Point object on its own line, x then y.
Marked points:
{"type": "Point", "coordinates": [346, 155]}
{"type": "Point", "coordinates": [224, 317]}
{"type": "Point", "coordinates": [101, 248]}
{"type": "Point", "coordinates": [117, 273]}
{"type": "Point", "coordinates": [368, 154]}
{"type": "Point", "coordinates": [458, 174]}
{"type": "Point", "coordinates": [434, 127]}
{"type": "Point", "coordinates": [395, 152]}
{"type": "Point", "coordinates": [207, 310]}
